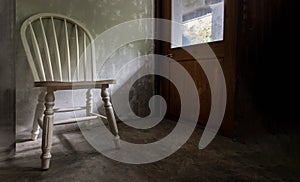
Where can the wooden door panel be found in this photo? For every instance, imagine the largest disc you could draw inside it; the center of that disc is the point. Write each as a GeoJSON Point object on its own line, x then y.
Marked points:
{"type": "Point", "coordinates": [224, 50]}
{"type": "Point", "coordinates": [202, 86]}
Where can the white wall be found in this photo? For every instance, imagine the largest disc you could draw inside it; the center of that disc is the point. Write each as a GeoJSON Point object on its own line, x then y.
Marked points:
{"type": "Point", "coordinates": [98, 16]}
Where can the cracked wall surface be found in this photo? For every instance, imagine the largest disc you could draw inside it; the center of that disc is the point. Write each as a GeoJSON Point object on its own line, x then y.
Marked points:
{"type": "Point", "coordinates": [98, 16]}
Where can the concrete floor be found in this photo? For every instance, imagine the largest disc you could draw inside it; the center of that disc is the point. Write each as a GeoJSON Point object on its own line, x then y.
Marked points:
{"type": "Point", "coordinates": [273, 158]}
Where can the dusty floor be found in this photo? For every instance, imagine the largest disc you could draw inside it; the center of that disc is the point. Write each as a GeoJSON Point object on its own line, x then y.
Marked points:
{"type": "Point", "coordinates": [273, 158]}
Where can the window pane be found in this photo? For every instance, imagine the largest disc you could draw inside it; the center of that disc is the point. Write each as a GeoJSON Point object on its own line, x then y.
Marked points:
{"type": "Point", "coordinates": [203, 21]}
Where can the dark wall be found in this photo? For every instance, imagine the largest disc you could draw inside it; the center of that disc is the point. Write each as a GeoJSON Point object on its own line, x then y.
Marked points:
{"type": "Point", "coordinates": [7, 86]}
{"type": "Point", "coordinates": [267, 71]}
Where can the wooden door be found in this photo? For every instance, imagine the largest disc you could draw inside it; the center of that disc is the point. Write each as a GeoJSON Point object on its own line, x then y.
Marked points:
{"type": "Point", "coordinates": [224, 50]}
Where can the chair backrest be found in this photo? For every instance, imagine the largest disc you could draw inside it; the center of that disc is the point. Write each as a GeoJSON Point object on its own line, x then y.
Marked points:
{"type": "Point", "coordinates": [58, 48]}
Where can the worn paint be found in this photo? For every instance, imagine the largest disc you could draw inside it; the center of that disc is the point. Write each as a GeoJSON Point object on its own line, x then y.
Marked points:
{"type": "Point", "coordinates": [97, 16]}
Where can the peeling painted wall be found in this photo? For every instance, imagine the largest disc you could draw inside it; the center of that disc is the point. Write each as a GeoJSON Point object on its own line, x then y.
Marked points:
{"type": "Point", "coordinates": [97, 16]}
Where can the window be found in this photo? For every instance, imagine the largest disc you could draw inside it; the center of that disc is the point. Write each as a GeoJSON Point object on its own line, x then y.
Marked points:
{"type": "Point", "coordinates": [202, 20]}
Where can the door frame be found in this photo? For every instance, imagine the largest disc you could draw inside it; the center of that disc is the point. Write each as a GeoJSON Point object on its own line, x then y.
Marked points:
{"type": "Point", "coordinates": [226, 49]}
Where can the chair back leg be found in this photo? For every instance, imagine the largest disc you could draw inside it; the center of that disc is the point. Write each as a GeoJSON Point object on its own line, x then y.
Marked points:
{"type": "Point", "coordinates": [39, 110]}
{"type": "Point", "coordinates": [110, 114]}
{"type": "Point", "coordinates": [89, 102]}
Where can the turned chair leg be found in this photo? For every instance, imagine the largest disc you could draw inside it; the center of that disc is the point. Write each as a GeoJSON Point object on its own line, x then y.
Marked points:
{"type": "Point", "coordinates": [89, 102]}
{"type": "Point", "coordinates": [47, 129]}
{"type": "Point", "coordinates": [110, 114]}
{"type": "Point", "coordinates": [38, 116]}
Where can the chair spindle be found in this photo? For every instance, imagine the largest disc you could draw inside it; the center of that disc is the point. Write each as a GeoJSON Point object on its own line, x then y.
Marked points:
{"type": "Point", "coordinates": [37, 53]}
{"type": "Point", "coordinates": [57, 52]}
{"type": "Point", "coordinates": [47, 51]}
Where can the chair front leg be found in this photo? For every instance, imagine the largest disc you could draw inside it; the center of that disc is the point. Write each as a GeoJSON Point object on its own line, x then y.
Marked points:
{"type": "Point", "coordinates": [47, 129]}
{"type": "Point", "coordinates": [38, 116]}
{"type": "Point", "coordinates": [110, 114]}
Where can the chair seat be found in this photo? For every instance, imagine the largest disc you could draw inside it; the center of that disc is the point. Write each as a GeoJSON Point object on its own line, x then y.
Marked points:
{"type": "Point", "coordinates": [57, 85]}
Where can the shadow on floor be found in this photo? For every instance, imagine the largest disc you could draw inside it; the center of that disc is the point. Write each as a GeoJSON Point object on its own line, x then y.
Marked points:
{"type": "Point", "coordinates": [223, 160]}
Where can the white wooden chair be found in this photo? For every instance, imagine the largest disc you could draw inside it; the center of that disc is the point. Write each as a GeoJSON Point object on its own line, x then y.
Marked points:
{"type": "Point", "coordinates": [54, 45]}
